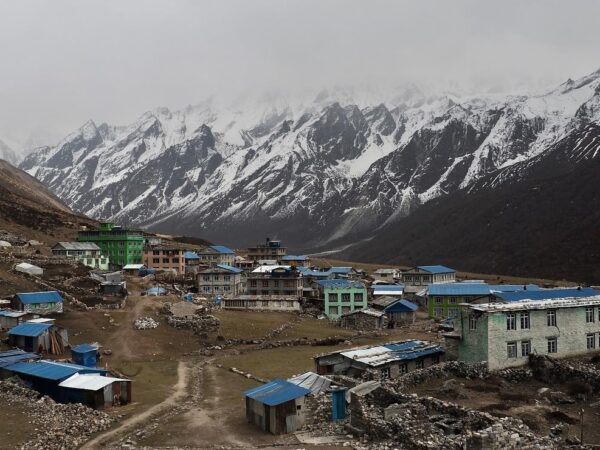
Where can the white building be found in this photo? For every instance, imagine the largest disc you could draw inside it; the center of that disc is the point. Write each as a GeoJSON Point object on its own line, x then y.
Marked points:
{"type": "Point", "coordinates": [87, 253]}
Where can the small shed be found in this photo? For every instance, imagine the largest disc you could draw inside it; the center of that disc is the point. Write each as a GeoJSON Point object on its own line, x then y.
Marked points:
{"type": "Point", "coordinates": [276, 407]}
{"type": "Point", "coordinates": [33, 337]}
{"type": "Point", "coordinates": [48, 302]}
{"type": "Point", "coordinates": [133, 269]}
{"type": "Point", "coordinates": [29, 269]}
{"type": "Point", "coordinates": [10, 319]}
{"type": "Point", "coordinates": [364, 319]}
{"type": "Point", "coordinates": [401, 312]}
{"type": "Point", "coordinates": [85, 354]}
{"type": "Point", "coordinates": [95, 391]}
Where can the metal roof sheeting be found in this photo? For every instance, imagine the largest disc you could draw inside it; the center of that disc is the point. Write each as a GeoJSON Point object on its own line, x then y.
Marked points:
{"type": "Point", "coordinates": [401, 306]}
{"type": "Point", "coordinates": [547, 294]}
{"type": "Point", "coordinates": [229, 268]}
{"type": "Point", "coordinates": [459, 289]}
{"type": "Point", "coordinates": [276, 392]}
{"type": "Point", "coordinates": [522, 305]}
{"type": "Point", "coordinates": [50, 370]}
{"type": "Point", "coordinates": [28, 298]}
{"type": "Point", "coordinates": [85, 348]}
{"type": "Point", "coordinates": [436, 269]}
{"type": "Point", "coordinates": [84, 246]}
{"type": "Point", "coordinates": [294, 258]}
{"type": "Point", "coordinates": [88, 382]}
{"type": "Point", "coordinates": [341, 284]}
{"type": "Point", "coordinates": [29, 329]}
{"type": "Point", "coordinates": [378, 355]}
{"type": "Point", "coordinates": [222, 249]}
{"type": "Point", "coordinates": [190, 255]}
{"type": "Point", "coordinates": [14, 356]}
{"type": "Point", "coordinates": [311, 381]}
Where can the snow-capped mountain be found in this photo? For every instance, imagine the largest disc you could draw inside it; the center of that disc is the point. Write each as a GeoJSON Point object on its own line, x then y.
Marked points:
{"type": "Point", "coordinates": [8, 154]}
{"type": "Point", "coordinates": [311, 172]}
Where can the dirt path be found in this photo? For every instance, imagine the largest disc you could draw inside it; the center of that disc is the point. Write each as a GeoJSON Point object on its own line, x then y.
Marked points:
{"type": "Point", "coordinates": [179, 391]}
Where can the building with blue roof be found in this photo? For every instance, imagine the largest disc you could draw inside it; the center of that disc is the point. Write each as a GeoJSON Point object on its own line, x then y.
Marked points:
{"type": "Point", "coordinates": [277, 407]}
{"type": "Point", "coordinates": [546, 294]}
{"type": "Point", "coordinates": [85, 354]}
{"type": "Point", "coordinates": [10, 357]}
{"type": "Point", "coordinates": [189, 256]}
{"type": "Point", "coordinates": [295, 260]}
{"type": "Point", "coordinates": [220, 280]}
{"type": "Point", "coordinates": [341, 296]}
{"type": "Point", "coordinates": [421, 276]}
{"type": "Point", "coordinates": [385, 361]}
{"type": "Point", "coordinates": [42, 303]}
{"type": "Point", "coordinates": [37, 337]}
{"type": "Point", "coordinates": [45, 376]}
{"type": "Point", "coordinates": [214, 255]}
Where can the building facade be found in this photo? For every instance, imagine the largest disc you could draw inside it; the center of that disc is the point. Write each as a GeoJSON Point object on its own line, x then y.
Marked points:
{"type": "Point", "coordinates": [263, 303]}
{"type": "Point", "coordinates": [223, 280]}
{"type": "Point", "coordinates": [426, 275]}
{"type": "Point", "coordinates": [215, 255]}
{"type": "Point", "coordinates": [274, 280]}
{"type": "Point", "coordinates": [504, 334]}
{"type": "Point", "coordinates": [41, 303]}
{"type": "Point", "coordinates": [161, 257]}
{"type": "Point", "coordinates": [122, 246]}
{"type": "Point", "coordinates": [269, 250]}
{"type": "Point", "coordinates": [87, 253]}
{"type": "Point", "coordinates": [341, 297]}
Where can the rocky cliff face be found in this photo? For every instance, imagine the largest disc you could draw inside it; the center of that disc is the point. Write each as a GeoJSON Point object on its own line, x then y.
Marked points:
{"type": "Point", "coordinates": [313, 173]}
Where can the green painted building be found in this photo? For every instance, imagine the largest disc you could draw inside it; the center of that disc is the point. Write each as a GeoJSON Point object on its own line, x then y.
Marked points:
{"type": "Point", "coordinates": [342, 296]}
{"type": "Point", "coordinates": [122, 246]}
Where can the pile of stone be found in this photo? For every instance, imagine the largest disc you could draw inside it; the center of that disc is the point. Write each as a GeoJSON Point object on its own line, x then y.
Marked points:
{"type": "Point", "coordinates": [12, 238]}
{"type": "Point", "coordinates": [54, 425]}
{"type": "Point", "coordinates": [190, 316]}
{"type": "Point", "coordinates": [145, 323]}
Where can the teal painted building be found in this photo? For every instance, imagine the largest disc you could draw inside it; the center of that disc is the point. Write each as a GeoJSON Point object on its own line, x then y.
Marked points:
{"type": "Point", "coordinates": [342, 296]}
{"type": "Point", "coordinates": [122, 245]}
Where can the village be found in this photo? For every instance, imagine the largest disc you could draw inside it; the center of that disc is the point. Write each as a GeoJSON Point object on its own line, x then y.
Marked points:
{"type": "Point", "coordinates": [119, 338]}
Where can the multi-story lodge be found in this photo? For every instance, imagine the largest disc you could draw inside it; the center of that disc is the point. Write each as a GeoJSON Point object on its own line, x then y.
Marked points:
{"type": "Point", "coordinates": [162, 257]}
{"type": "Point", "coordinates": [272, 250]}
{"type": "Point", "coordinates": [341, 296]}
{"type": "Point", "coordinates": [224, 280]}
{"type": "Point", "coordinates": [215, 255]}
{"type": "Point", "coordinates": [87, 253]}
{"type": "Point", "coordinates": [122, 246]}
{"type": "Point", "coordinates": [422, 276]}
{"type": "Point", "coordinates": [274, 280]}
{"type": "Point", "coordinates": [504, 334]}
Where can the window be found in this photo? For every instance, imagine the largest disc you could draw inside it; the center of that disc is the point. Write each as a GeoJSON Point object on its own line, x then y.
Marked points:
{"type": "Point", "coordinates": [438, 300]}
{"type": "Point", "coordinates": [403, 368]}
{"type": "Point", "coordinates": [438, 312]}
{"type": "Point", "coordinates": [525, 321]}
{"type": "Point", "coordinates": [206, 278]}
{"type": "Point", "coordinates": [265, 283]}
{"type": "Point", "coordinates": [346, 297]}
{"type": "Point", "coordinates": [206, 288]}
{"type": "Point", "coordinates": [226, 277]}
{"type": "Point", "coordinates": [453, 300]}
{"type": "Point", "coordinates": [525, 348]}
{"type": "Point", "coordinates": [333, 310]}
{"type": "Point", "coordinates": [385, 373]}
{"type": "Point", "coordinates": [419, 364]}
{"type": "Point", "coordinates": [176, 260]}
{"type": "Point", "coordinates": [472, 323]}
{"type": "Point", "coordinates": [358, 297]}
{"type": "Point", "coordinates": [453, 312]}
{"type": "Point", "coordinates": [252, 283]}
{"type": "Point", "coordinates": [552, 347]}
{"type": "Point", "coordinates": [156, 260]}
{"type": "Point", "coordinates": [165, 260]}
{"type": "Point", "coordinates": [591, 341]}
{"type": "Point", "coordinates": [511, 349]}
{"type": "Point", "coordinates": [333, 297]}
{"type": "Point", "coordinates": [511, 321]}
{"type": "Point", "coordinates": [589, 315]}
{"type": "Point", "coordinates": [551, 317]}
{"type": "Point", "coordinates": [155, 252]}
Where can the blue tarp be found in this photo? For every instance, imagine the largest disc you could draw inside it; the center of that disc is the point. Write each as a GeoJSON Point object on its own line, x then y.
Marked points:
{"type": "Point", "coordinates": [39, 297]}
{"type": "Point", "coordinates": [276, 392]}
{"type": "Point", "coordinates": [29, 329]}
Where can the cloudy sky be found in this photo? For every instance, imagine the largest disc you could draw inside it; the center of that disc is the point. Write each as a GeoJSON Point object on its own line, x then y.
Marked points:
{"type": "Point", "coordinates": [65, 61]}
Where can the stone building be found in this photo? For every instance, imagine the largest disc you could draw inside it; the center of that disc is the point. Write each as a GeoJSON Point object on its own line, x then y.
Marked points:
{"type": "Point", "coordinates": [162, 257]}
{"type": "Point", "coordinates": [504, 334]}
{"type": "Point", "coordinates": [221, 280]}
{"type": "Point", "coordinates": [216, 255]}
{"type": "Point", "coordinates": [364, 319]}
{"type": "Point", "coordinates": [383, 361]}
{"type": "Point", "coordinates": [269, 250]}
{"type": "Point", "coordinates": [87, 253]}
{"type": "Point", "coordinates": [263, 303]}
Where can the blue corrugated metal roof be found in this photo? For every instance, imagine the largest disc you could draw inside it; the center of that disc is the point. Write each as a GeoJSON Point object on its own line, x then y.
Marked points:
{"type": "Point", "coordinates": [13, 358]}
{"type": "Point", "coordinates": [40, 297]}
{"type": "Point", "coordinates": [84, 348]}
{"type": "Point", "coordinates": [342, 270]}
{"type": "Point", "coordinates": [388, 287]}
{"type": "Point", "coordinates": [547, 294]}
{"type": "Point", "coordinates": [436, 269]}
{"type": "Point", "coordinates": [459, 289]}
{"type": "Point", "coordinates": [402, 306]}
{"type": "Point", "coordinates": [341, 284]}
{"type": "Point", "coordinates": [13, 352]}
{"type": "Point", "coordinates": [419, 353]}
{"type": "Point", "coordinates": [230, 268]}
{"type": "Point", "coordinates": [294, 258]}
{"type": "Point", "coordinates": [222, 249]}
{"type": "Point", "coordinates": [402, 346]}
{"type": "Point", "coordinates": [50, 370]}
{"type": "Point", "coordinates": [514, 287]}
{"type": "Point", "coordinates": [276, 392]}
{"type": "Point", "coordinates": [190, 255]}
{"type": "Point", "coordinates": [29, 329]}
